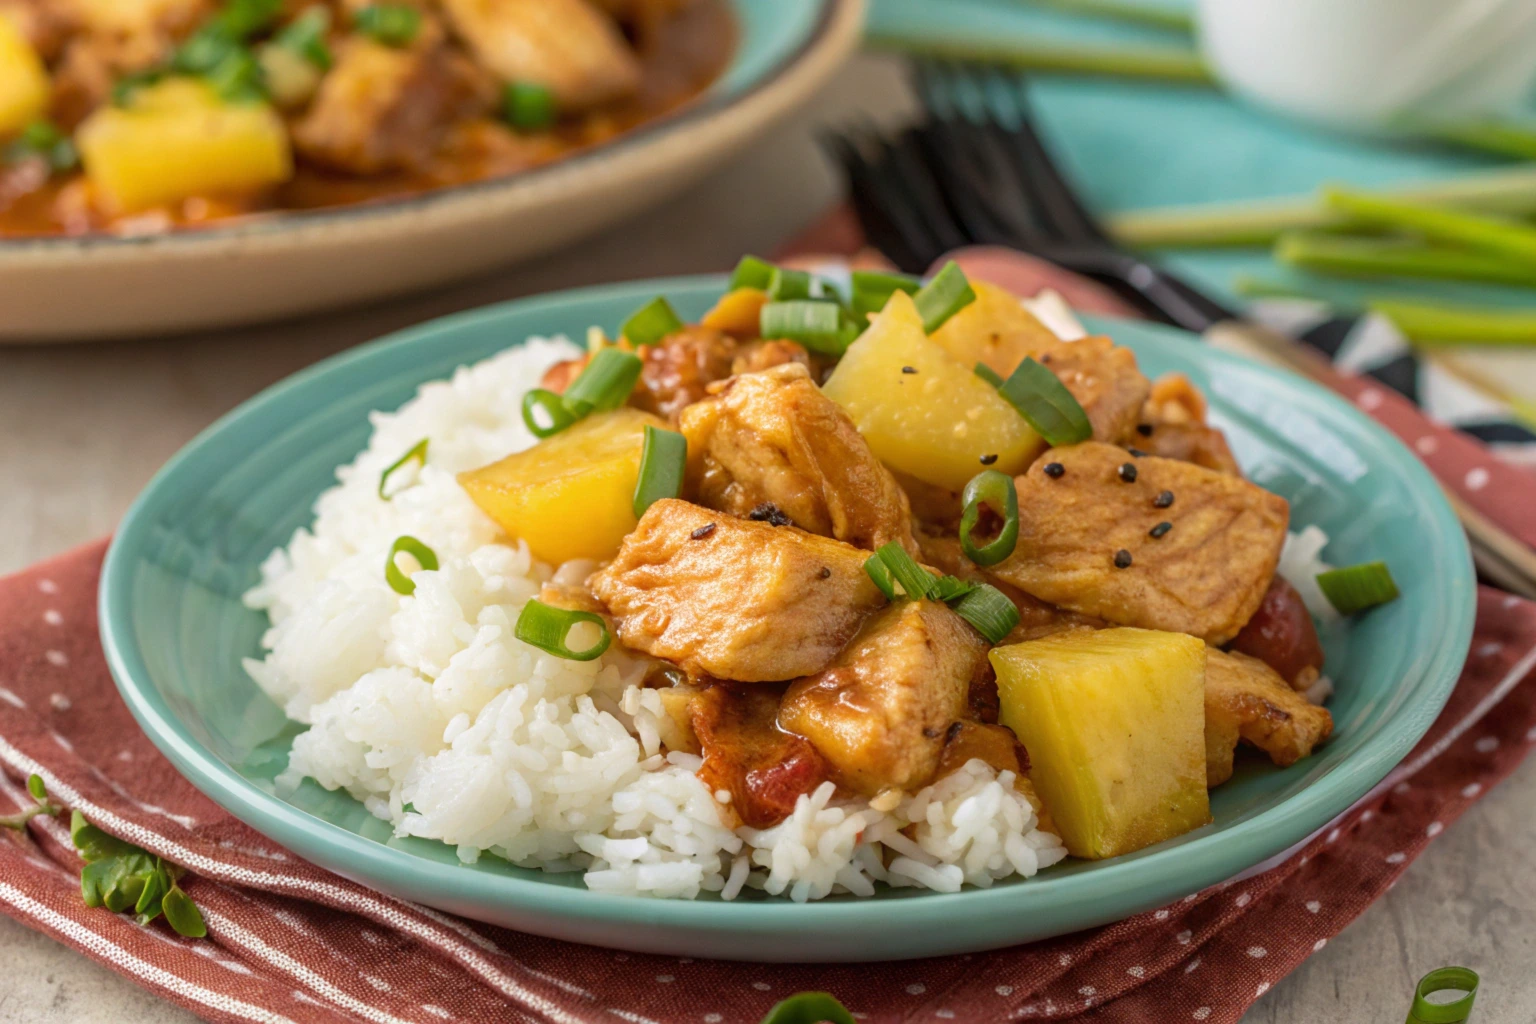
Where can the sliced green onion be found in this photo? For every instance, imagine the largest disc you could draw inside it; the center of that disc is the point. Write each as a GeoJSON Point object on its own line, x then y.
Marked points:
{"type": "Point", "coordinates": [1355, 588]}
{"type": "Point", "coordinates": [44, 139]}
{"type": "Point", "coordinates": [391, 24]}
{"type": "Point", "coordinates": [651, 322]}
{"type": "Point", "coordinates": [305, 36]}
{"type": "Point", "coordinates": [815, 323]}
{"type": "Point", "coordinates": [872, 290]}
{"type": "Point", "coordinates": [809, 1008]}
{"type": "Point", "coordinates": [605, 384]}
{"type": "Point", "coordinates": [239, 77]}
{"type": "Point", "coordinates": [988, 374]}
{"type": "Point", "coordinates": [752, 272]}
{"type": "Point", "coordinates": [124, 88]}
{"type": "Point", "coordinates": [417, 454]}
{"type": "Point", "coordinates": [915, 581]}
{"type": "Point", "coordinates": [528, 106]}
{"type": "Point", "coordinates": [545, 627]}
{"type": "Point", "coordinates": [951, 588]}
{"type": "Point", "coordinates": [827, 291]}
{"type": "Point", "coordinates": [553, 406]}
{"type": "Point", "coordinates": [875, 569]}
{"type": "Point", "coordinates": [662, 463]}
{"type": "Point", "coordinates": [947, 294]}
{"type": "Point", "coordinates": [990, 611]}
{"type": "Point", "coordinates": [784, 285]}
{"type": "Point", "coordinates": [1044, 401]}
{"type": "Point", "coordinates": [398, 581]}
{"type": "Point", "coordinates": [995, 490]}
{"type": "Point", "coordinates": [244, 18]}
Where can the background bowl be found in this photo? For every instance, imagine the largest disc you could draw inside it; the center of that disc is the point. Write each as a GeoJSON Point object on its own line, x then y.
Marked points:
{"type": "Point", "coordinates": [175, 630]}
{"type": "Point", "coordinates": [285, 264]}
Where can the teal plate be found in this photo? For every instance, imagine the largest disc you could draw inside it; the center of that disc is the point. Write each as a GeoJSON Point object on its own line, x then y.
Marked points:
{"type": "Point", "coordinates": [175, 630]}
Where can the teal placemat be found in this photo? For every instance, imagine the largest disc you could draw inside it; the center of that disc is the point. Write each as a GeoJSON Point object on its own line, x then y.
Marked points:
{"type": "Point", "coordinates": [1139, 145]}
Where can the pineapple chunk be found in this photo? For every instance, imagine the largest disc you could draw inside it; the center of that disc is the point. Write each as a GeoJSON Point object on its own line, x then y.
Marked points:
{"type": "Point", "coordinates": [995, 330]}
{"type": "Point", "coordinates": [24, 84]}
{"type": "Point", "coordinates": [1114, 722]}
{"type": "Point", "coordinates": [571, 495]}
{"type": "Point", "coordinates": [922, 412]}
{"type": "Point", "coordinates": [176, 140]}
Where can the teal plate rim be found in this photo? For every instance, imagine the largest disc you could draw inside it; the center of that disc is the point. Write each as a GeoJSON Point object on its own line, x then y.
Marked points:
{"type": "Point", "coordinates": [1150, 879]}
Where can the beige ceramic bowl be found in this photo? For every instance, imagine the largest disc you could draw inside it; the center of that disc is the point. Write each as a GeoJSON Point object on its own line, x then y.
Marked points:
{"type": "Point", "coordinates": [64, 289]}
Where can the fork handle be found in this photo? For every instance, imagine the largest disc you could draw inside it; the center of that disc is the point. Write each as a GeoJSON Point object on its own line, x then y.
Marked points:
{"type": "Point", "coordinates": [1503, 557]}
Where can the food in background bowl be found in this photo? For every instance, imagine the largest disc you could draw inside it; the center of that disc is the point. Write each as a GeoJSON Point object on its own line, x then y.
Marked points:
{"type": "Point", "coordinates": [142, 115]}
{"type": "Point", "coordinates": [823, 592]}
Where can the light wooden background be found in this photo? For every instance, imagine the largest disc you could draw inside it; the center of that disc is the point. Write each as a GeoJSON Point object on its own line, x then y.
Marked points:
{"type": "Point", "coordinates": [82, 428]}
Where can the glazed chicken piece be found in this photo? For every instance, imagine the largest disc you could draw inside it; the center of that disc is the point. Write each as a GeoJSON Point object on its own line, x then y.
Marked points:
{"type": "Point", "coordinates": [1036, 617]}
{"type": "Point", "coordinates": [1173, 426]}
{"type": "Point", "coordinates": [1246, 699]}
{"type": "Point", "coordinates": [747, 755]}
{"type": "Point", "coordinates": [1103, 377]}
{"type": "Point", "coordinates": [729, 598]}
{"type": "Point", "coordinates": [382, 109]}
{"type": "Point", "coordinates": [1091, 540]}
{"type": "Point", "coordinates": [773, 439]}
{"type": "Point", "coordinates": [101, 41]}
{"type": "Point", "coordinates": [568, 46]}
{"type": "Point", "coordinates": [678, 370]}
{"type": "Point", "coordinates": [880, 713]}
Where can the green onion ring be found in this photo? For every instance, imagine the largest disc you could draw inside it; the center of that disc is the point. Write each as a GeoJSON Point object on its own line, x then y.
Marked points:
{"type": "Point", "coordinates": [553, 406]}
{"type": "Point", "coordinates": [545, 627]}
{"type": "Point", "coordinates": [990, 611]}
{"type": "Point", "coordinates": [996, 490]}
{"type": "Point", "coordinates": [819, 325]}
{"type": "Point", "coordinates": [398, 581]}
{"type": "Point", "coordinates": [417, 454]}
{"type": "Point", "coordinates": [788, 285]}
{"type": "Point", "coordinates": [651, 322]}
{"type": "Point", "coordinates": [752, 272]}
{"type": "Point", "coordinates": [1355, 588]}
{"type": "Point", "coordinates": [605, 383]}
{"type": "Point", "coordinates": [663, 462]}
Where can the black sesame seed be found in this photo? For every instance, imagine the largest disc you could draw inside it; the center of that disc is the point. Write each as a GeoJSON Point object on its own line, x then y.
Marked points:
{"type": "Point", "coordinates": [1054, 470]}
{"type": "Point", "coordinates": [1144, 429]}
{"type": "Point", "coordinates": [1122, 559]}
{"type": "Point", "coordinates": [769, 513]}
{"type": "Point", "coordinates": [1159, 530]}
{"type": "Point", "coordinates": [1127, 472]}
{"type": "Point", "coordinates": [825, 573]}
{"type": "Point", "coordinates": [909, 369]}
{"type": "Point", "coordinates": [930, 732]}
{"type": "Point", "coordinates": [953, 731]}
{"type": "Point", "coordinates": [1163, 500]}
{"type": "Point", "coordinates": [703, 531]}
{"type": "Point", "coordinates": [987, 460]}
{"type": "Point", "coordinates": [1137, 453]}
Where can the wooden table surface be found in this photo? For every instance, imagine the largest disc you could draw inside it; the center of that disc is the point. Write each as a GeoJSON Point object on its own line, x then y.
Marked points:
{"type": "Point", "coordinates": [85, 426]}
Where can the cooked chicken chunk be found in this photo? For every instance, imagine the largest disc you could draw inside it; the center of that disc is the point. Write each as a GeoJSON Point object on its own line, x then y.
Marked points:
{"type": "Point", "coordinates": [880, 713]}
{"type": "Point", "coordinates": [773, 438]}
{"type": "Point", "coordinates": [746, 754]}
{"type": "Point", "coordinates": [567, 46]}
{"type": "Point", "coordinates": [734, 599]}
{"type": "Point", "coordinates": [1091, 540]}
{"type": "Point", "coordinates": [1036, 617]}
{"type": "Point", "coordinates": [757, 356]}
{"type": "Point", "coordinates": [382, 109]}
{"type": "Point", "coordinates": [1103, 377]}
{"type": "Point", "coordinates": [1246, 699]}
{"type": "Point", "coordinates": [1187, 442]}
{"type": "Point", "coordinates": [679, 369]}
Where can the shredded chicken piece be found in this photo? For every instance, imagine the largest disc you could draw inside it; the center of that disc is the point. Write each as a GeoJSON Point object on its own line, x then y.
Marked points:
{"type": "Point", "coordinates": [773, 438]}
{"type": "Point", "coordinates": [1091, 540]}
{"type": "Point", "coordinates": [729, 598]}
{"type": "Point", "coordinates": [1246, 699]}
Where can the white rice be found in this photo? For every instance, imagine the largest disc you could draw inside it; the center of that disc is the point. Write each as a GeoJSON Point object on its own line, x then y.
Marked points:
{"type": "Point", "coordinates": [429, 711]}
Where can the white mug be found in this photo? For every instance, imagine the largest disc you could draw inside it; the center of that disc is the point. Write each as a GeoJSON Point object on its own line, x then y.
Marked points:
{"type": "Point", "coordinates": [1374, 65]}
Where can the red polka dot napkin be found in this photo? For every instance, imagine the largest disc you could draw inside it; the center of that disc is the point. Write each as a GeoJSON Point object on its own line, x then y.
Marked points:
{"type": "Point", "coordinates": [290, 943]}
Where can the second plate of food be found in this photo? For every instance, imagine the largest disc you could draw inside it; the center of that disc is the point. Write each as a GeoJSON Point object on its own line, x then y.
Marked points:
{"type": "Point", "coordinates": [318, 613]}
{"type": "Point", "coordinates": [250, 161]}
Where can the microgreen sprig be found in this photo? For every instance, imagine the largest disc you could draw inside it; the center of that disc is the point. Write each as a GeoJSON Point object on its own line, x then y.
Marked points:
{"type": "Point", "coordinates": [18, 821]}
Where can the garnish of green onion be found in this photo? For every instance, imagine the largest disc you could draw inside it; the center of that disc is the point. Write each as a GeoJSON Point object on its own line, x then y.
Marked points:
{"type": "Point", "coordinates": [872, 290]}
{"type": "Point", "coordinates": [391, 24]}
{"type": "Point", "coordinates": [528, 106]}
{"type": "Point", "coordinates": [43, 139]}
{"type": "Point", "coordinates": [546, 627]}
{"type": "Point", "coordinates": [875, 569]}
{"type": "Point", "coordinates": [1044, 401]}
{"type": "Point", "coordinates": [996, 491]}
{"type": "Point", "coordinates": [398, 581]}
{"type": "Point", "coordinates": [988, 374]}
{"type": "Point", "coordinates": [752, 272]}
{"type": "Point", "coordinates": [662, 463]}
{"type": "Point", "coordinates": [815, 323]}
{"type": "Point", "coordinates": [916, 582]}
{"type": "Point", "coordinates": [809, 1008]}
{"type": "Point", "coordinates": [950, 588]}
{"type": "Point", "coordinates": [305, 36]}
{"type": "Point", "coordinates": [605, 384]}
{"type": "Point", "coordinates": [1355, 588]}
{"type": "Point", "coordinates": [785, 285]}
{"type": "Point", "coordinates": [651, 322]}
{"type": "Point", "coordinates": [947, 294]}
{"type": "Point", "coordinates": [551, 405]}
{"type": "Point", "coordinates": [990, 611]}
{"type": "Point", "coordinates": [417, 454]}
